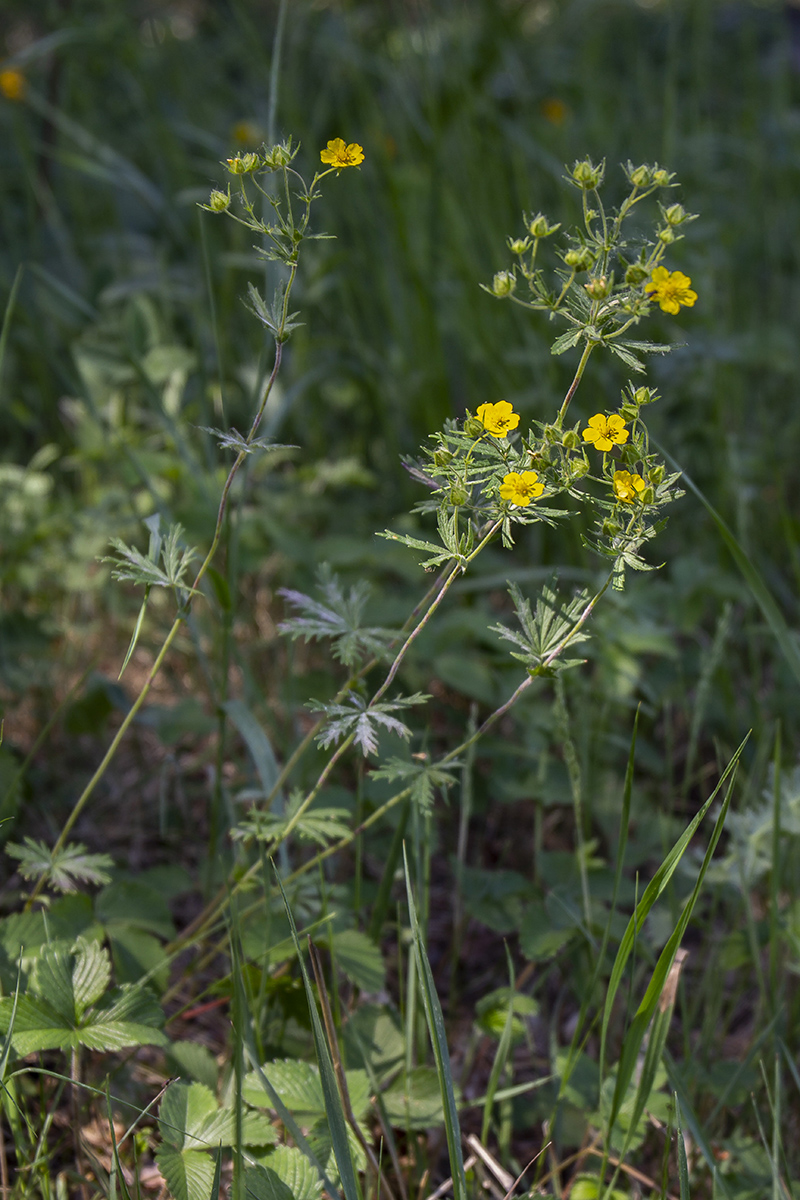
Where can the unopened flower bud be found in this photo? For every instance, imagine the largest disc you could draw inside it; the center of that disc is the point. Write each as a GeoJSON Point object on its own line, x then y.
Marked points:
{"type": "Point", "coordinates": [503, 283]}
{"type": "Point", "coordinates": [442, 457]}
{"type": "Point", "coordinates": [676, 214]}
{"type": "Point", "coordinates": [236, 166]}
{"type": "Point", "coordinates": [644, 395]}
{"type": "Point", "coordinates": [666, 235]}
{"type": "Point", "coordinates": [600, 287]}
{"type": "Point", "coordinates": [641, 177]}
{"type": "Point", "coordinates": [579, 468]}
{"type": "Point", "coordinates": [218, 201]}
{"type": "Point", "coordinates": [551, 434]}
{"type": "Point", "coordinates": [570, 441]}
{"type": "Point", "coordinates": [656, 474]}
{"type": "Point", "coordinates": [540, 226]}
{"type": "Point", "coordinates": [636, 274]}
{"type": "Point", "coordinates": [610, 528]}
{"type": "Point", "coordinates": [519, 245]}
{"type": "Point", "coordinates": [629, 411]}
{"type": "Point", "coordinates": [278, 156]}
{"type": "Point", "coordinates": [647, 496]}
{"type": "Point", "coordinates": [586, 175]}
{"type": "Point", "coordinates": [661, 177]}
{"type": "Point", "coordinates": [579, 259]}
{"type": "Point", "coordinates": [473, 427]}
{"type": "Point", "coordinates": [458, 496]}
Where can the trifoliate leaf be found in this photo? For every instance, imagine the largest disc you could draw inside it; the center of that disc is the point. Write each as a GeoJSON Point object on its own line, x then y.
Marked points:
{"type": "Point", "coordinates": [63, 870]}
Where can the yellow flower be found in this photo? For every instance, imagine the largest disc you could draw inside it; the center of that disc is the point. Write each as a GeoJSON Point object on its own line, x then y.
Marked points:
{"type": "Point", "coordinates": [498, 419]}
{"type": "Point", "coordinates": [520, 489]}
{"type": "Point", "coordinates": [12, 84]}
{"type": "Point", "coordinates": [606, 431]}
{"type": "Point", "coordinates": [670, 289]}
{"type": "Point", "coordinates": [627, 486]}
{"type": "Point", "coordinates": [339, 155]}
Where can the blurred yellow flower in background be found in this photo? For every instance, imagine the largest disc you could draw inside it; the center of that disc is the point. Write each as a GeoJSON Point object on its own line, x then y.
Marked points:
{"type": "Point", "coordinates": [12, 84]}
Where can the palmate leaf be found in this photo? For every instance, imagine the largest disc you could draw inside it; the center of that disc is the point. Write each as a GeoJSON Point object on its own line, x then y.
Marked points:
{"type": "Point", "coordinates": [67, 1005]}
{"type": "Point", "coordinates": [339, 618]}
{"type": "Point", "coordinates": [64, 869]}
{"type": "Point", "coordinates": [422, 777]}
{"type": "Point", "coordinates": [131, 566]}
{"type": "Point", "coordinates": [363, 722]}
{"type": "Point", "coordinates": [545, 629]}
{"type": "Point", "coordinates": [231, 439]}
{"type": "Point", "coordinates": [319, 825]}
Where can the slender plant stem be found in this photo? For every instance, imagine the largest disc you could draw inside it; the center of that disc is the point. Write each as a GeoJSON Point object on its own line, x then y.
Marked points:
{"type": "Point", "coordinates": [573, 387]}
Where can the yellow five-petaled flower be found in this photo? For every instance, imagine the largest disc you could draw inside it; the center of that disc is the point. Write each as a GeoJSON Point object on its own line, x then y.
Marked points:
{"type": "Point", "coordinates": [627, 486]}
{"type": "Point", "coordinates": [498, 419]}
{"type": "Point", "coordinates": [521, 487]}
{"type": "Point", "coordinates": [670, 289]}
{"type": "Point", "coordinates": [606, 432]}
{"type": "Point", "coordinates": [340, 155]}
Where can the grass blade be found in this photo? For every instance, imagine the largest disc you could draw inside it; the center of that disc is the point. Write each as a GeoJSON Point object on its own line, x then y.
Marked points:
{"type": "Point", "coordinates": [333, 1102]}
{"type": "Point", "coordinates": [683, 1166]}
{"type": "Point", "coordinates": [435, 1020]}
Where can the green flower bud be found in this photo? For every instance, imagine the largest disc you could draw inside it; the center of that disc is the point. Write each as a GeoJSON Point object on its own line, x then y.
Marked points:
{"type": "Point", "coordinates": [519, 245]}
{"type": "Point", "coordinates": [636, 274]}
{"type": "Point", "coordinates": [641, 177]}
{"type": "Point", "coordinates": [610, 528]}
{"type": "Point", "coordinates": [473, 427]}
{"type": "Point", "coordinates": [629, 411]}
{"type": "Point", "coordinates": [644, 395]}
{"type": "Point", "coordinates": [647, 496]}
{"type": "Point", "coordinates": [656, 474]}
{"type": "Point", "coordinates": [540, 227]}
{"type": "Point", "coordinates": [570, 441]}
{"type": "Point", "coordinates": [218, 201]}
{"type": "Point", "coordinates": [586, 175]}
{"type": "Point", "coordinates": [551, 434]}
{"type": "Point", "coordinates": [236, 166]}
{"type": "Point", "coordinates": [676, 214]}
{"type": "Point", "coordinates": [278, 156]}
{"type": "Point", "coordinates": [666, 235]}
{"type": "Point", "coordinates": [458, 496]}
{"type": "Point", "coordinates": [580, 259]}
{"type": "Point", "coordinates": [579, 468]}
{"type": "Point", "coordinates": [600, 287]}
{"type": "Point", "coordinates": [661, 177]}
{"type": "Point", "coordinates": [503, 283]}
{"type": "Point", "coordinates": [442, 457]}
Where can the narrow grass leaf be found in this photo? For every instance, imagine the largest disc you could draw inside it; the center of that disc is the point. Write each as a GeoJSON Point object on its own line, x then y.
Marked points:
{"type": "Point", "coordinates": [683, 1166]}
{"type": "Point", "coordinates": [435, 1020]}
{"type": "Point", "coordinates": [501, 1057]}
{"type": "Point", "coordinates": [634, 1036]}
{"type": "Point", "coordinates": [334, 1109]}
{"type": "Point", "coordinates": [8, 314]}
{"type": "Point", "coordinates": [651, 893]}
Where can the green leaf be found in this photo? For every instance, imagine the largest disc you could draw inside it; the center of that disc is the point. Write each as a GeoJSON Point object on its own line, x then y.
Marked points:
{"type": "Point", "coordinates": [423, 778]}
{"type": "Point", "coordinates": [196, 1060]}
{"type": "Point", "coordinates": [319, 825]}
{"type": "Point", "coordinates": [189, 1174]}
{"type": "Point", "coordinates": [360, 960]}
{"type": "Point", "coordinates": [414, 1100]}
{"type": "Point", "coordinates": [373, 1033]}
{"type": "Point", "coordinates": [339, 619]}
{"type": "Point", "coordinates": [286, 1174]}
{"type": "Point", "coordinates": [362, 721]}
{"type": "Point", "coordinates": [64, 869]}
{"type": "Point", "coordinates": [436, 1031]}
{"type": "Point", "coordinates": [546, 632]}
{"type": "Point", "coordinates": [566, 341]}
{"type": "Point", "coordinates": [437, 554]}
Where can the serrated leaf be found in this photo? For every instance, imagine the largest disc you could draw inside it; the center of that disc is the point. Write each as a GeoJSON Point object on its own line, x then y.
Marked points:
{"type": "Point", "coordinates": [566, 341]}
{"type": "Point", "coordinates": [437, 554]}
{"type": "Point", "coordinates": [355, 717]}
{"type": "Point", "coordinates": [91, 974]}
{"type": "Point", "coordinates": [360, 960]}
{"type": "Point", "coordinates": [296, 1082]}
{"type": "Point", "coordinates": [231, 439]}
{"type": "Point", "coordinates": [185, 1111]}
{"type": "Point", "coordinates": [62, 870]}
{"type": "Point", "coordinates": [414, 1100]}
{"type": "Point", "coordinates": [423, 778]}
{"type": "Point", "coordinates": [285, 1168]}
{"type": "Point", "coordinates": [196, 1060]}
{"type": "Point", "coordinates": [319, 825]}
{"type": "Point", "coordinates": [189, 1174]}
{"type": "Point", "coordinates": [339, 618]}
{"type": "Point", "coordinates": [554, 623]}
{"type": "Point", "coordinates": [131, 566]}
